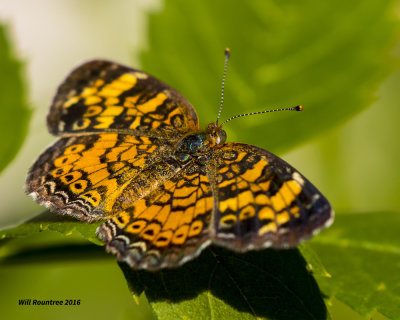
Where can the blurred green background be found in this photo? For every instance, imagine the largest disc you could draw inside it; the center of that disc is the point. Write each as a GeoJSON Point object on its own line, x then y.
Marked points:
{"type": "Point", "coordinates": [335, 58]}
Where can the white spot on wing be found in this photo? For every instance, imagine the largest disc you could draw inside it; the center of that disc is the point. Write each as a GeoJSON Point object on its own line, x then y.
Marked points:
{"type": "Point", "coordinates": [123, 238]}
{"type": "Point", "coordinates": [297, 177]}
{"type": "Point", "coordinates": [140, 75]}
{"type": "Point", "coordinates": [61, 126]}
{"type": "Point", "coordinates": [34, 195]}
{"type": "Point", "coordinates": [139, 244]}
{"type": "Point", "coordinates": [154, 253]}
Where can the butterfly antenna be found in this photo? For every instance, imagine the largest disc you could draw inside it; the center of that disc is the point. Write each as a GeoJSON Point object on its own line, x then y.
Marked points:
{"type": "Point", "coordinates": [297, 108]}
{"type": "Point", "coordinates": [227, 55]}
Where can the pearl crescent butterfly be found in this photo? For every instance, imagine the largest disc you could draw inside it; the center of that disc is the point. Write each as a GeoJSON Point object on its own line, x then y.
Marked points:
{"type": "Point", "coordinates": [130, 152]}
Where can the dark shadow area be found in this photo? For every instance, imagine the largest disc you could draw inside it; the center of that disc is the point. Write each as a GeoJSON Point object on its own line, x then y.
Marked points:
{"type": "Point", "coordinates": [269, 283]}
{"type": "Point", "coordinates": [51, 217]}
{"type": "Point", "coordinates": [75, 252]}
{"type": "Point", "coordinates": [48, 216]}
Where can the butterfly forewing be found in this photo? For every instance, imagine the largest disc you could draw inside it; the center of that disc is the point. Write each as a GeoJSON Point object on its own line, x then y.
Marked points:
{"type": "Point", "coordinates": [102, 96]}
{"type": "Point", "coordinates": [84, 175]}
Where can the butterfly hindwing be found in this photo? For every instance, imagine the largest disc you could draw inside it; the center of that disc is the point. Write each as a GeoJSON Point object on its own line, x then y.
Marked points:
{"type": "Point", "coordinates": [166, 228]}
{"type": "Point", "coordinates": [263, 201]}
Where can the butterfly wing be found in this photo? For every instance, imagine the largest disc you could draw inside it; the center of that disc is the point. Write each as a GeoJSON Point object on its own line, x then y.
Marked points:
{"type": "Point", "coordinates": [166, 228]}
{"type": "Point", "coordinates": [115, 123]}
{"type": "Point", "coordinates": [101, 96]}
{"type": "Point", "coordinates": [84, 175]}
{"type": "Point", "coordinates": [263, 201]}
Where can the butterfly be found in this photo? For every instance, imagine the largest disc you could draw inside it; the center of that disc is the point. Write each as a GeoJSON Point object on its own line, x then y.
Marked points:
{"type": "Point", "coordinates": [130, 151]}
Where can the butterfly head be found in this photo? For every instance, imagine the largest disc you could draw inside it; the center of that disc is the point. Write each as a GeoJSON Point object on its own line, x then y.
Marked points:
{"type": "Point", "coordinates": [215, 134]}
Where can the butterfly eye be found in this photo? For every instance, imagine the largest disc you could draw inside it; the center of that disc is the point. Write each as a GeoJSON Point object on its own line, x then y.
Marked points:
{"type": "Point", "coordinates": [221, 136]}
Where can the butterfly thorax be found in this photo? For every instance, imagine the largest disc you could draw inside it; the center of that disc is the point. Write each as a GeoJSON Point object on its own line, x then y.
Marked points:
{"type": "Point", "coordinates": [199, 143]}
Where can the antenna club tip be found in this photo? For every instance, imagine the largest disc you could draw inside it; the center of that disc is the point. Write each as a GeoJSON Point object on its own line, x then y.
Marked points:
{"type": "Point", "coordinates": [299, 108]}
{"type": "Point", "coordinates": [227, 52]}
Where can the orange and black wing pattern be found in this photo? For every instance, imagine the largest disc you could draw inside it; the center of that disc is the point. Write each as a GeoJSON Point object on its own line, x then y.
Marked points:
{"type": "Point", "coordinates": [113, 123]}
{"type": "Point", "coordinates": [103, 96]}
{"type": "Point", "coordinates": [263, 201]}
{"type": "Point", "coordinates": [168, 227]}
{"type": "Point", "coordinates": [84, 175]}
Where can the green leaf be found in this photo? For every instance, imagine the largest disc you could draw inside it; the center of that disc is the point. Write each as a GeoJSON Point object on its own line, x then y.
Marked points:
{"type": "Point", "coordinates": [48, 221]}
{"type": "Point", "coordinates": [15, 113]}
{"type": "Point", "coordinates": [314, 264]}
{"type": "Point", "coordinates": [93, 278]}
{"type": "Point", "coordinates": [220, 284]}
{"type": "Point", "coordinates": [329, 56]}
{"type": "Point", "coordinates": [362, 253]}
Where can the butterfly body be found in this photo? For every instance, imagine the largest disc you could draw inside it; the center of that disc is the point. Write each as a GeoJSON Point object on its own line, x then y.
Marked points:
{"type": "Point", "coordinates": [131, 152]}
